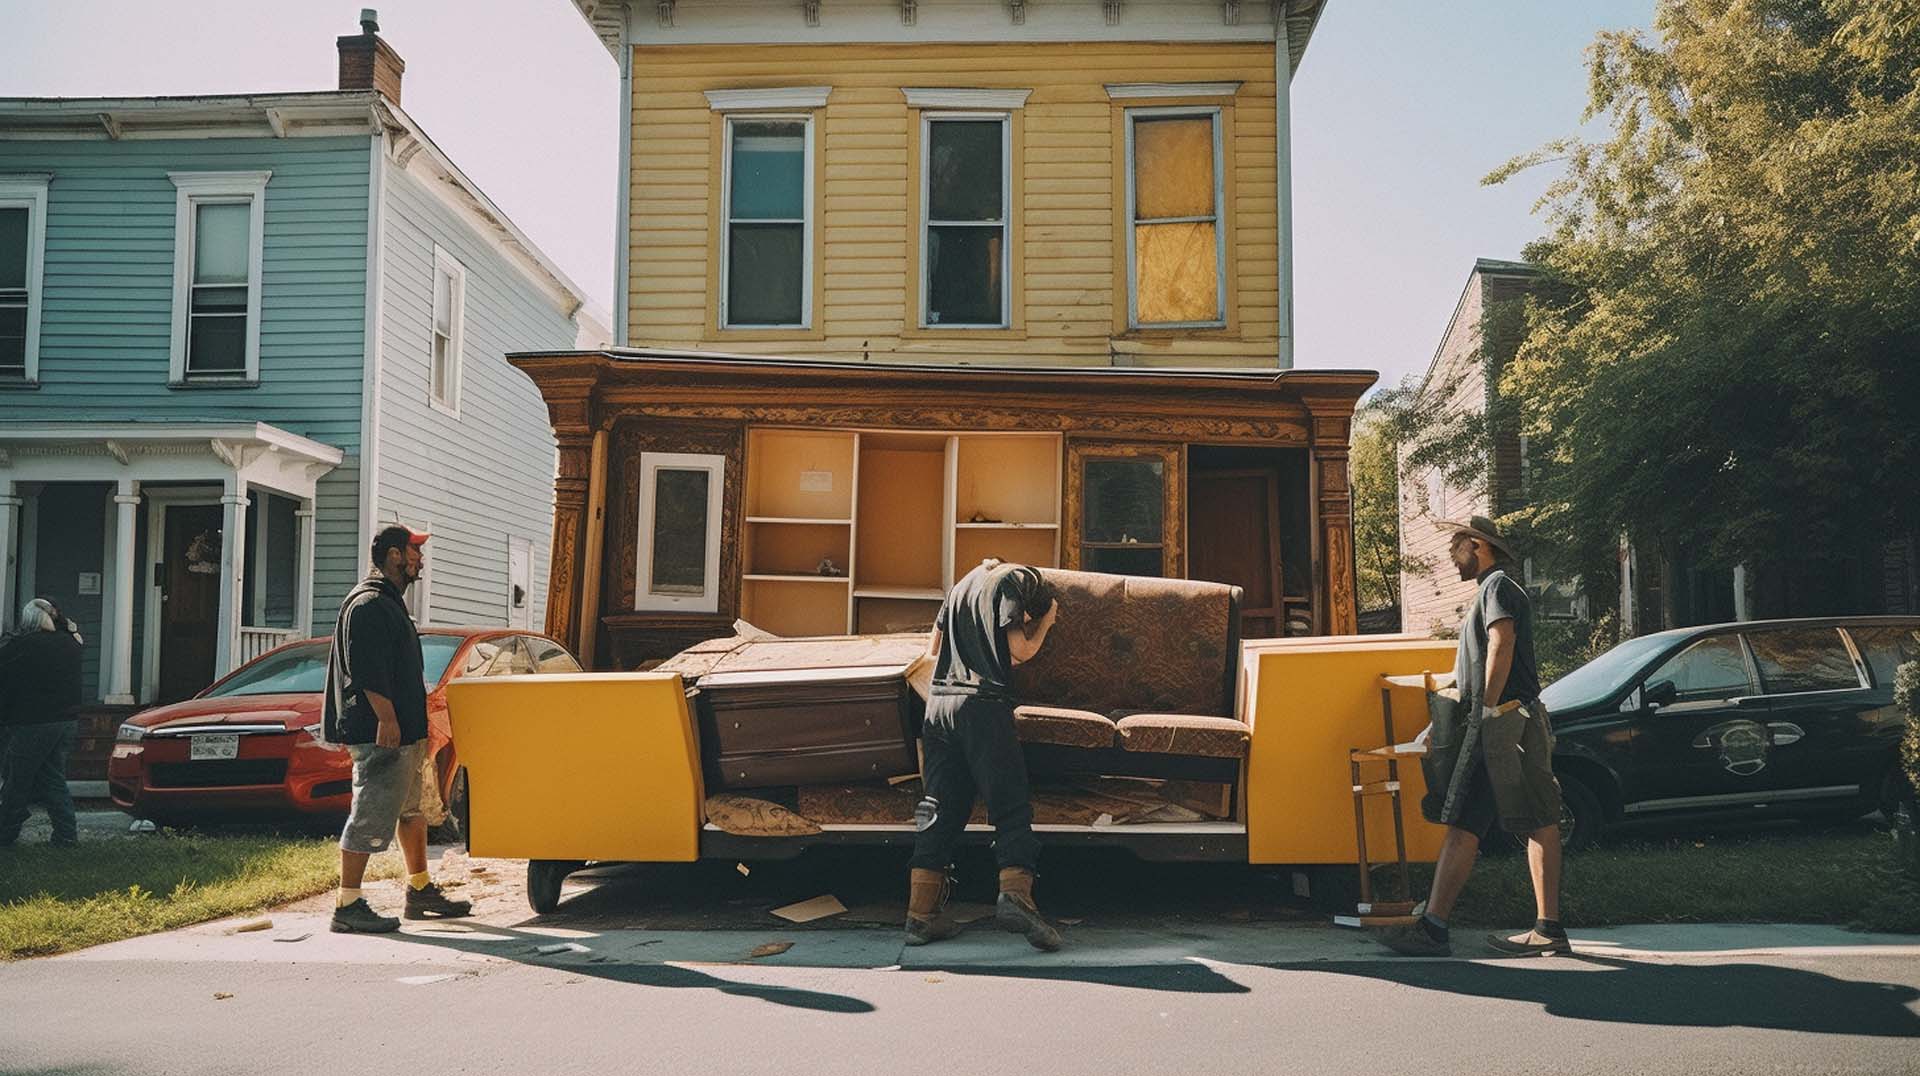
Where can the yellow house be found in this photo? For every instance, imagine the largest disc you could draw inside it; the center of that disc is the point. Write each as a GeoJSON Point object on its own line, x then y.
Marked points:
{"type": "Point", "coordinates": [903, 284]}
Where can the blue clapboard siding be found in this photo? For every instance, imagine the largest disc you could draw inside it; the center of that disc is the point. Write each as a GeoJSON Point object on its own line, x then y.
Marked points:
{"type": "Point", "coordinates": [107, 312]}
{"type": "Point", "coordinates": [486, 477]}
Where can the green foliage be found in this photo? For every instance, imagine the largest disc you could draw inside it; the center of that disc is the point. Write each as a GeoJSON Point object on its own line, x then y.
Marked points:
{"type": "Point", "coordinates": [1732, 366]}
{"type": "Point", "coordinates": [1561, 646]}
{"type": "Point", "coordinates": [1376, 508]}
{"type": "Point", "coordinates": [1906, 695]}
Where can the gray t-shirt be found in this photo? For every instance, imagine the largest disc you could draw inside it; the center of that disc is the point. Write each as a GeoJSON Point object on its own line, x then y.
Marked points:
{"type": "Point", "coordinates": [1500, 598]}
{"type": "Point", "coordinates": [973, 622]}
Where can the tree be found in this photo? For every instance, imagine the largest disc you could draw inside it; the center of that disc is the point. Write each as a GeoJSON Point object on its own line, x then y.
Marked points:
{"type": "Point", "coordinates": [1735, 365]}
{"type": "Point", "coordinates": [1374, 459]}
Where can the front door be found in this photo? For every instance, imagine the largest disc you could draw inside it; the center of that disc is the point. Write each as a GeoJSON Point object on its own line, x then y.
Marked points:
{"type": "Point", "coordinates": [189, 580]}
{"type": "Point", "coordinates": [1234, 520]}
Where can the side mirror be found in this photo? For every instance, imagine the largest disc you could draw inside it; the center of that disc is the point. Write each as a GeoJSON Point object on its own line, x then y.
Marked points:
{"type": "Point", "coordinates": [1662, 693]}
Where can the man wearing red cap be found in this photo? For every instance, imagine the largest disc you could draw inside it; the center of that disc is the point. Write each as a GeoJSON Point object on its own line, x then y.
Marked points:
{"type": "Point", "coordinates": [376, 704]}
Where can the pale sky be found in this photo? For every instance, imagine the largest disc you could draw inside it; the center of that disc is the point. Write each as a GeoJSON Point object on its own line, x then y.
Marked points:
{"type": "Point", "coordinates": [1399, 109]}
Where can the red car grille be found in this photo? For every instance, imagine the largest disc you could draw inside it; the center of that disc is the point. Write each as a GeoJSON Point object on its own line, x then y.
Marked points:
{"type": "Point", "coordinates": [218, 773]}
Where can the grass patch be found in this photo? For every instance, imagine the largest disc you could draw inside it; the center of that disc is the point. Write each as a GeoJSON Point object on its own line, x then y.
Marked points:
{"type": "Point", "coordinates": [1801, 876]}
{"type": "Point", "coordinates": [55, 900]}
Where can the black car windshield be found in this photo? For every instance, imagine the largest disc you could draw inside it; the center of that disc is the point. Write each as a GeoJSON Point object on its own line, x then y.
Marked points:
{"type": "Point", "coordinates": [1600, 678]}
{"type": "Point", "coordinates": [303, 669]}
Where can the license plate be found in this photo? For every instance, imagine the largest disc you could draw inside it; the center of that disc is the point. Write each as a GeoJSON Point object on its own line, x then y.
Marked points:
{"type": "Point", "coordinates": [214, 745]}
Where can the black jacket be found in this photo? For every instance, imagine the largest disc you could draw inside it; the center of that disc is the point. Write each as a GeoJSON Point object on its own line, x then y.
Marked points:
{"type": "Point", "coordinates": [39, 677]}
{"type": "Point", "coordinates": [375, 648]}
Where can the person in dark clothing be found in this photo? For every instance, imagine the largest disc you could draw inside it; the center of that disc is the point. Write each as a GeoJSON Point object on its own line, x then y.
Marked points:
{"type": "Point", "coordinates": [39, 692]}
{"type": "Point", "coordinates": [995, 618]}
{"type": "Point", "coordinates": [376, 704]}
{"type": "Point", "coordinates": [1495, 764]}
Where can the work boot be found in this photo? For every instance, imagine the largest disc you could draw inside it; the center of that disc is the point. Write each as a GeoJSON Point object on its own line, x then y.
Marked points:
{"type": "Point", "coordinates": [360, 918]}
{"type": "Point", "coordinates": [1017, 914]}
{"type": "Point", "coordinates": [927, 918]}
{"type": "Point", "coordinates": [1535, 942]}
{"type": "Point", "coordinates": [428, 902]}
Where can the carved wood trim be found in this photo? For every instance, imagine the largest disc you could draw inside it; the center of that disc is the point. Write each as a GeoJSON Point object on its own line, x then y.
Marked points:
{"type": "Point", "coordinates": [631, 437]}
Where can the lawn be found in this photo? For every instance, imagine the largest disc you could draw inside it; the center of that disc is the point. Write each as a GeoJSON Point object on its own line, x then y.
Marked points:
{"type": "Point", "coordinates": [1799, 875]}
{"type": "Point", "coordinates": [54, 900]}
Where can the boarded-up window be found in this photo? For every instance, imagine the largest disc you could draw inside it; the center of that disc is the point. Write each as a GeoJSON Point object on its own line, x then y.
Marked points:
{"type": "Point", "coordinates": [765, 241]}
{"type": "Point", "coordinates": [1174, 197]}
{"type": "Point", "coordinates": [965, 238]}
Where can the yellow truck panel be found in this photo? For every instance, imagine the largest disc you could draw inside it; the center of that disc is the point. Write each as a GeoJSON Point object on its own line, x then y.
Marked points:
{"type": "Point", "coordinates": [1310, 702]}
{"type": "Point", "coordinates": [600, 766]}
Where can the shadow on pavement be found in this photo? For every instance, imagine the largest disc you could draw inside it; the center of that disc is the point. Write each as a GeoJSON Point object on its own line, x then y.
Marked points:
{"type": "Point", "coordinates": [1178, 978]}
{"type": "Point", "coordinates": [1669, 995]}
{"type": "Point", "coordinates": [661, 975]}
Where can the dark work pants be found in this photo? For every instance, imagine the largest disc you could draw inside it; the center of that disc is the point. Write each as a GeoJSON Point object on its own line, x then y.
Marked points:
{"type": "Point", "coordinates": [971, 750]}
{"type": "Point", "coordinates": [33, 768]}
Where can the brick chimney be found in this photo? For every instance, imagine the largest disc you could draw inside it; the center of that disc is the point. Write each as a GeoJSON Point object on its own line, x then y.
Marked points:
{"type": "Point", "coordinates": [369, 63]}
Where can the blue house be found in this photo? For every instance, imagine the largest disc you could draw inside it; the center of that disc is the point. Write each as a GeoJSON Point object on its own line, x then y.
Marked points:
{"type": "Point", "coordinates": [237, 335]}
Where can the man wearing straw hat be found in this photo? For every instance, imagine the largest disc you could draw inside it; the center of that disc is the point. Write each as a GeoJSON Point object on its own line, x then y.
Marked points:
{"type": "Point", "coordinates": [1495, 762]}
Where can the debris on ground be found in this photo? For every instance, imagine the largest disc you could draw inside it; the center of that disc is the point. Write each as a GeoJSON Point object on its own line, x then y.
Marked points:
{"type": "Point", "coordinates": [251, 926]}
{"type": "Point", "coordinates": [743, 869]}
{"type": "Point", "coordinates": [221, 995]}
{"type": "Point", "coordinates": [807, 911]}
{"type": "Point", "coordinates": [300, 937]}
{"type": "Point", "coordinates": [561, 947]}
{"type": "Point", "coordinates": [769, 949]}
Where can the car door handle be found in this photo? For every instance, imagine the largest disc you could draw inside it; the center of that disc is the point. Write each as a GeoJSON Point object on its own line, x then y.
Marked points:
{"type": "Point", "coordinates": [1783, 733]}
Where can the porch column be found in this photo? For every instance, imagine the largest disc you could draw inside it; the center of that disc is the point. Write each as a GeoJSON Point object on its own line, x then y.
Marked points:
{"type": "Point", "coordinates": [10, 503]}
{"type": "Point", "coordinates": [119, 671]}
{"type": "Point", "coordinates": [303, 569]}
{"type": "Point", "coordinates": [1333, 507]}
{"type": "Point", "coordinates": [233, 560]}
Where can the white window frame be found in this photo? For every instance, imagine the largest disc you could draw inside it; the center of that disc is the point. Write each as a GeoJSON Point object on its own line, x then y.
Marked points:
{"type": "Point", "coordinates": [1219, 218]}
{"type": "Point", "coordinates": [193, 189]}
{"type": "Point", "coordinates": [29, 192]}
{"type": "Point", "coordinates": [446, 398]}
{"type": "Point", "coordinates": [1005, 224]}
{"type": "Point", "coordinates": [707, 601]}
{"type": "Point", "coordinates": [806, 220]}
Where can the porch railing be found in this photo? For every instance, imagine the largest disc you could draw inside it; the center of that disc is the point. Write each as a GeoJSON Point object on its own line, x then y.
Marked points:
{"type": "Point", "coordinates": [257, 641]}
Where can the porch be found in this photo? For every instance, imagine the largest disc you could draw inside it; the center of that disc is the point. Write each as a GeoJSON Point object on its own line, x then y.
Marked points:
{"type": "Point", "coordinates": [182, 549]}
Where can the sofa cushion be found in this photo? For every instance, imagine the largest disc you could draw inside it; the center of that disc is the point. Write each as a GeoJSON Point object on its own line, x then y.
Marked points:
{"type": "Point", "coordinates": [1129, 643]}
{"type": "Point", "coordinates": [1060, 725]}
{"type": "Point", "coordinates": [1185, 734]}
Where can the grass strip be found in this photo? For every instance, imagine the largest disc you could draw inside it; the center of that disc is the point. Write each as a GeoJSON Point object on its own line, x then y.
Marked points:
{"type": "Point", "coordinates": [1804, 876]}
{"type": "Point", "coordinates": [55, 900]}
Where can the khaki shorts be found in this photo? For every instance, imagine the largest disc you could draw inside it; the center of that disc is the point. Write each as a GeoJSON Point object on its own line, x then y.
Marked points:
{"type": "Point", "coordinates": [1513, 782]}
{"type": "Point", "coordinates": [390, 785]}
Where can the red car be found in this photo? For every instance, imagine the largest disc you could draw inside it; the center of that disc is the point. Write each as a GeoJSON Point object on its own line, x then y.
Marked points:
{"type": "Point", "coordinates": [249, 746]}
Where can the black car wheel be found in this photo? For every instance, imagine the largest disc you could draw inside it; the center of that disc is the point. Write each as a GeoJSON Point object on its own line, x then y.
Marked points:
{"type": "Point", "coordinates": [543, 881]}
{"type": "Point", "coordinates": [1581, 815]}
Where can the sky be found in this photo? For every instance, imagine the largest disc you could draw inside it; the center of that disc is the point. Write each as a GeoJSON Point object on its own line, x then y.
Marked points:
{"type": "Point", "coordinates": [1398, 110]}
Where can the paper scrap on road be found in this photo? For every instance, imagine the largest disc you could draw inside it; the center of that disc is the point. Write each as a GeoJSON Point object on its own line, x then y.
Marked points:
{"type": "Point", "coordinates": [1104, 820]}
{"type": "Point", "coordinates": [221, 995]}
{"type": "Point", "coordinates": [251, 926]}
{"type": "Point", "coordinates": [561, 947]}
{"type": "Point", "coordinates": [300, 937]}
{"type": "Point", "coordinates": [808, 910]}
{"type": "Point", "coordinates": [769, 949]}
{"type": "Point", "coordinates": [424, 980]}
{"type": "Point", "coordinates": [742, 868]}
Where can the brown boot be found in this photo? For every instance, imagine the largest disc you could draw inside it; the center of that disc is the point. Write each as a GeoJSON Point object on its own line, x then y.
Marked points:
{"type": "Point", "coordinates": [927, 920]}
{"type": "Point", "coordinates": [1017, 914]}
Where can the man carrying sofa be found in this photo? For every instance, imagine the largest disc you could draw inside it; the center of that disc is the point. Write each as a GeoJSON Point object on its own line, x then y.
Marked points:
{"type": "Point", "coordinates": [995, 618]}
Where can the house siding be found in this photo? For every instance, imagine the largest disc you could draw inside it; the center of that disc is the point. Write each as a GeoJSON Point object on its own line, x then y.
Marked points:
{"type": "Point", "coordinates": [106, 316]}
{"type": "Point", "coordinates": [1070, 272]}
{"type": "Point", "coordinates": [486, 477]}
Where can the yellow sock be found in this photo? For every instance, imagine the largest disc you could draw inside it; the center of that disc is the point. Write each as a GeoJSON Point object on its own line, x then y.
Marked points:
{"type": "Point", "coordinates": [419, 881]}
{"type": "Point", "coordinates": [346, 897]}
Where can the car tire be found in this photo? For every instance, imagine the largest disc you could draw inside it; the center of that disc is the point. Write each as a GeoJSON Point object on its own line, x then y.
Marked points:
{"type": "Point", "coordinates": [1581, 816]}
{"type": "Point", "coordinates": [459, 807]}
{"type": "Point", "coordinates": [544, 877]}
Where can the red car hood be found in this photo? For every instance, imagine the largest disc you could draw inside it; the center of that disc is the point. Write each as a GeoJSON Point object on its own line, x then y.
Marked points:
{"type": "Point", "coordinates": [292, 710]}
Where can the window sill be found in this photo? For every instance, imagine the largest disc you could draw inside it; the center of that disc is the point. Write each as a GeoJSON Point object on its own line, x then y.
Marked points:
{"type": "Point", "coordinates": [18, 384]}
{"type": "Point", "coordinates": [452, 412]}
{"type": "Point", "coordinates": [771, 332]}
{"type": "Point", "coordinates": [965, 332]}
{"type": "Point", "coordinates": [215, 383]}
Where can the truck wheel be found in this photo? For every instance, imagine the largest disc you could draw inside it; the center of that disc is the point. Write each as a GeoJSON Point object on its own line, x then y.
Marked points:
{"type": "Point", "coordinates": [543, 881]}
{"type": "Point", "coordinates": [1581, 815]}
{"type": "Point", "coordinates": [458, 808]}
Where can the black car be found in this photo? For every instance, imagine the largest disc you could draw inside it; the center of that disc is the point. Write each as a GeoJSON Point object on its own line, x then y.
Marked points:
{"type": "Point", "coordinates": [1793, 717]}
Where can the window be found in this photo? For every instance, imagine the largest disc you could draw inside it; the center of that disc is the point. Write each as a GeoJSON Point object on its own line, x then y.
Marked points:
{"type": "Point", "coordinates": [964, 239]}
{"type": "Point", "coordinates": [448, 332]}
{"type": "Point", "coordinates": [1711, 670]}
{"type": "Point", "coordinates": [1554, 599]}
{"type": "Point", "coordinates": [1436, 494]}
{"type": "Point", "coordinates": [766, 243]}
{"type": "Point", "coordinates": [1886, 649]}
{"type": "Point", "coordinates": [496, 657]}
{"type": "Point", "coordinates": [549, 656]}
{"type": "Point", "coordinates": [1176, 249]}
{"type": "Point", "coordinates": [679, 547]}
{"type": "Point", "coordinates": [1124, 530]}
{"type": "Point", "coordinates": [23, 241]}
{"type": "Point", "coordinates": [1803, 659]}
{"type": "Point", "coordinates": [218, 238]}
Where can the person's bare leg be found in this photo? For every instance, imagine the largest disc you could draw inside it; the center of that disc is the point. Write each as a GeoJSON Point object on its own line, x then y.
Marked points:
{"type": "Point", "coordinates": [1458, 851]}
{"type": "Point", "coordinates": [413, 843]}
{"type": "Point", "coordinates": [1543, 862]}
{"type": "Point", "coordinates": [353, 868]}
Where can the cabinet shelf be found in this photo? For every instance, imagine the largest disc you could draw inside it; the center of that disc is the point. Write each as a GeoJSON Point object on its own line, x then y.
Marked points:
{"type": "Point", "coordinates": [796, 521]}
{"type": "Point", "coordinates": [1007, 526]}
{"type": "Point", "coordinates": [881, 590]}
{"type": "Point", "coordinates": [766, 577]}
